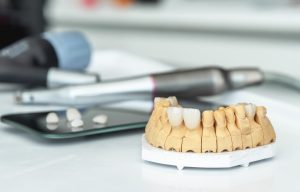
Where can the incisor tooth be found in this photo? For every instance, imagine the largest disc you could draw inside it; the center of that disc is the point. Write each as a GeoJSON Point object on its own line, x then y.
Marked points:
{"type": "Point", "coordinates": [224, 142]}
{"type": "Point", "coordinates": [209, 140]}
{"type": "Point", "coordinates": [192, 142]}
{"type": "Point", "coordinates": [269, 135]}
{"type": "Point", "coordinates": [191, 117]}
{"type": "Point", "coordinates": [256, 130]}
{"type": "Point", "coordinates": [175, 116]}
{"type": "Point", "coordinates": [235, 133]}
{"type": "Point", "coordinates": [173, 101]}
{"type": "Point", "coordinates": [243, 124]}
{"type": "Point", "coordinates": [174, 140]}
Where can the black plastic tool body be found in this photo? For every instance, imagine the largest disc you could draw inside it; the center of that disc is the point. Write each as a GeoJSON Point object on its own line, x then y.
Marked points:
{"type": "Point", "coordinates": [204, 81]}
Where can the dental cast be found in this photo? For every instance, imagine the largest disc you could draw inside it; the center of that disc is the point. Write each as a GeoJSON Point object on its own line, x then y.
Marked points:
{"type": "Point", "coordinates": [174, 128]}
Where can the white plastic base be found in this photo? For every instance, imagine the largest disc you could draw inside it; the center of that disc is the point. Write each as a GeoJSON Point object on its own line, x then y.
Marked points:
{"type": "Point", "coordinates": [206, 160]}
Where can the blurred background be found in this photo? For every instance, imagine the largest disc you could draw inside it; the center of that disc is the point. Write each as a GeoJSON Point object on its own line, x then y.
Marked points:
{"type": "Point", "coordinates": [263, 33]}
{"type": "Point", "coordinates": [137, 37]}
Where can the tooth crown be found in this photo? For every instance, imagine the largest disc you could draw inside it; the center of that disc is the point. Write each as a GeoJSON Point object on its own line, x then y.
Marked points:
{"type": "Point", "coordinates": [237, 127]}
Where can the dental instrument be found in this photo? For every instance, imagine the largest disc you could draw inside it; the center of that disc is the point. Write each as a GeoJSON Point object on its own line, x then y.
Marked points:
{"type": "Point", "coordinates": [182, 83]}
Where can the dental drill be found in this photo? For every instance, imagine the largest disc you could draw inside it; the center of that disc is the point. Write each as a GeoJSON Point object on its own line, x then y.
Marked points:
{"type": "Point", "coordinates": [182, 83]}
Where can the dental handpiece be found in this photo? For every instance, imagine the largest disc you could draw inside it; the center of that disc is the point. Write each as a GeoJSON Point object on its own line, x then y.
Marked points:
{"type": "Point", "coordinates": [182, 83]}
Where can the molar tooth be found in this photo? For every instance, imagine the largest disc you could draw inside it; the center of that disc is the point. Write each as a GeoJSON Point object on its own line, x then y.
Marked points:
{"type": "Point", "coordinates": [173, 101]}
{"type": "Point", "coordinates": [191, 117]}
{"type": "Point", "coordinates": [175, 116]}
{"type": "Point", "coordinates": [250, 110]}
{"type": "Point", "coordinates": [269, 135]}
{"type": "Point", "coordinates": [256, 129]}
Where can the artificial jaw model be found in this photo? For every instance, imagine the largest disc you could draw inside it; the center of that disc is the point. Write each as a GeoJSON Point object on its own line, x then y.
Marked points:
{"type": "Point", "coordinates": [237, 127]}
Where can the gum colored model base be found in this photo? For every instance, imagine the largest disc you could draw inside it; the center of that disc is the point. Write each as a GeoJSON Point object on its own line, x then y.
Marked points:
{"type": "Point", "coordinates": [206, 160]}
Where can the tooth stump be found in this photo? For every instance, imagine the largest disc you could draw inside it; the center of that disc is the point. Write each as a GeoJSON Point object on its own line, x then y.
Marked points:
{"type": "Point", "coordinates": [235, 133]}
{"type": "Point", "coordinates": [224, 142]}
{"type": "Point", "coordinates": [193, 137]}
{"type": "Point", "coordinates": [256, 130]}
{"type": "Point", "coordinates": [263, 120]}
{"type": "Point", "coordinates": [243, 124]}
{"type": "Point", "coordinates": [209, 140]}
{"type": "Point", "coordinates": [174, 140]}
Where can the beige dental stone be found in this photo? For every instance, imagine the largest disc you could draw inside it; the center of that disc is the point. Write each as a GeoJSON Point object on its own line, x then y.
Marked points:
{"type": "Point", "coordinates": [224, 142]}
{"type": "Point", "coordinates": [174, 140]}
{"type": "Point", "coordinates": [243, 124]}
{"type": "Point", "coordinates": [235, 132]}
{"type": "Point", "coordinates": [256, 129]}
{"type": "Point", "coordinates": [231, 128]}
{"type": "Point", "coordinates": [269, 135]}
{"type": "Point", "coordinates": [209, 140]}
{"type": "Point", "coordinates": [153, 118]}
{"type": "Point", "coordinates": [192, 142]}
{"type": "Point", "coordinates": [163, 130]}
{"type": "Point", "coordinates": [154, 124]}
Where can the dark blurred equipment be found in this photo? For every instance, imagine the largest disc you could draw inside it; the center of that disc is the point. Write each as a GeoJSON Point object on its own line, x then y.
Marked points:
{"type": "Point", "coordinates": [32, 61]}
{"type": "Point", "coordinates": [10, 72]}
{"type": "Point", "coordinates": [67, 50]}
{"type": "Point", "coordinates": [19, 19]}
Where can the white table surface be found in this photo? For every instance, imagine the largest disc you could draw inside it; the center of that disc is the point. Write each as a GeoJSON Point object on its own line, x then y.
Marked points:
{"type": "Point", "coordinates": [112, 162]}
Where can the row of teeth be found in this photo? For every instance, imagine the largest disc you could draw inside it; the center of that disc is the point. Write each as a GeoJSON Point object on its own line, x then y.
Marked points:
{"type": "Point", "coordinates": [235, 127]}
{"type": "Point", "coordinates": [192, 117]}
